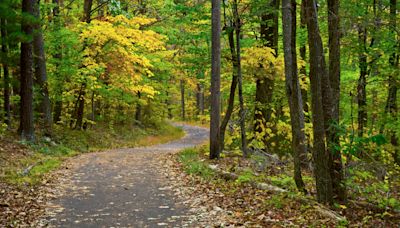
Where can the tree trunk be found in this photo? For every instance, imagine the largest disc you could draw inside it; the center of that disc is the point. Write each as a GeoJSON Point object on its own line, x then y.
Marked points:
{"type": "Point", "coordinates": [303, 71]}
{"type": "Point", "coordinates": [215, 114]}
{"type": "Point", "coordinates": [293, 88]}
{"type": "Point", "coordinates": [4, 49]}
{"type": "Point", "coordinates": [242, 112]}
{"type": "Point", "coordinates": [317, 73]}
{"type": "Point", "coordinates": [182, 85]}
{"type": "Point", "coordinates": [27, 123]}
{"type": "Point", "coordinates": [265, 85]}
{"type": "Point", "coordinates": [87, 10]}
{"type": "Point", "coordinates": [391, 103]}
{"type": "Point", "coordinates": [362, 81]}
{"type": "Point", "coordinates": [58, 56]}
{"type": "Point", "coordinates": [41, 73]}
{"type": "Point", "coordinates": [168, 103]}
{"type": "Point", "coordinates": [80, 107]}
{"type": "Point", "coordinates": [334, 78]}
{"type": "Point", "coordinates": [138, 113]}
{"type": "Point", "coordinates": [234, 83]}
{"type": "Point", "coordinates": [200, 99]}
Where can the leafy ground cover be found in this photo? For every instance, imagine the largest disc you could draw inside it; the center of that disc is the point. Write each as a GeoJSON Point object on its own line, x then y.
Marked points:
{"type": "Point", "coordinates": [238, 202]}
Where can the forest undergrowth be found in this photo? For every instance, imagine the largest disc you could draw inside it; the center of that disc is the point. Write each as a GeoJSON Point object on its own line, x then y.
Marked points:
{"type": "Point", "coordinates": [237, 184]}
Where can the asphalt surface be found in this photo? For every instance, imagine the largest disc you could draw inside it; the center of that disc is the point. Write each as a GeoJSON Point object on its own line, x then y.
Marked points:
{"type": "Point", "coordinates": [123, 187]}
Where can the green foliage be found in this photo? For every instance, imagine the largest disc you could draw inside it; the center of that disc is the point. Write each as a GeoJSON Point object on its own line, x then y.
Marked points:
{"type": "Point", "coordinates": [194, 165]}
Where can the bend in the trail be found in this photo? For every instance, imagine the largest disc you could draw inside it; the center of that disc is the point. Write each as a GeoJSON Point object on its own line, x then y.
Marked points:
{"type": "Point", "coordinates": [122, 188]}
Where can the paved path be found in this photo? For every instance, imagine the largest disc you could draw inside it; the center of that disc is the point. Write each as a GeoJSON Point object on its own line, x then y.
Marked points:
{"type": "Point", "coordinates": [123, 188]}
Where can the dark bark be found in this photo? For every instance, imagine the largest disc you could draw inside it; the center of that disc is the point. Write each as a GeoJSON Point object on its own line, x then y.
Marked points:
{"type": "Point", "coordinates": [41, 74]}
{"type": "Point", "coordinates": [182, 87]}
{"type": "Point", "coordinates": [242, 113]}
{"type": "Point", "coordinates": [58, 57]}
{"type": "Point", "coordinates": [215, 114]}
{"type": "Point", "coordinates": [303, 71]}
{"type": "Point", "coordinates": [4, 49]}
{"type": "Point", "coordinates": [337, 173]}
{"type": "Point", "coordinates": [231, 100]}
{"type": "Point", "coordinates": [265, 85]}
{"type": "Point", "coordinates": [26, 122]}
{"type": "Point", "coordinates": [168, 103]}
{"type": "Point", "coordinates": [87, 9]}
{"type": "Point", "coordinates": [80, 107]}
{"type": "Point", "coordinates": [138, 113]}
{"type": "Point", "coordinates": [362, 80]}
{"type": "Point", "coordinates": [391, 102]}
{"type": "Point", "coordinates": [293, 89]}
{"type": "Point", "coordinates": [200, 99]}
{"type": "Point", "coordinates": [80, 110]}
{"type": "Point", "coordinates": [317, 73]}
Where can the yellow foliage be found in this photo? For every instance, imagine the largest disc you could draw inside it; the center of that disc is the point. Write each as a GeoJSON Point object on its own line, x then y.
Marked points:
{"type": "Point", "coordinates": [116, 49]}
{"type": "Point", "coordinates": [262, 62]}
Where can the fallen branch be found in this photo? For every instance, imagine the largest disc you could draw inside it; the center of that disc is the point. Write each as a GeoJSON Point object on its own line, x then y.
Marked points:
{"type": "Point", "coordinates": [329, 213]}
{"type": "Point", "coordinates": [232, 177]}
{"type": "Point", "coordinates": [29, 168]}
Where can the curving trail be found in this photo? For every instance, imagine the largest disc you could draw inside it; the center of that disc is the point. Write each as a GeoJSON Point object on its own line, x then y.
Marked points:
{"type": "Point", "coordinates": [122, 188]}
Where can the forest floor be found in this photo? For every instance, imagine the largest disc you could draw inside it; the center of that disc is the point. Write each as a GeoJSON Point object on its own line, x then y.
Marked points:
{"type": "Point", "coordinates": [120, 188]}
{"type": "Point", "coordinates": [28, 172]}
{"type": "Point", "coordinates": [175, 185]}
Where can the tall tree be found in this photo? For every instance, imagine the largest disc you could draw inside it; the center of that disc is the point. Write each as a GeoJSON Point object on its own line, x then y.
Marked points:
{"type": "Point", "coordinates": [6, 92]}
{"type": "Point", "coordinates": [391, 102]}
{"type": "Point", "coordinates": [231, 101]}
{"type": "Point", "coordinates": [182, 87]}
{"type": "Point", "coordinates": [80, 102]}
{"type": "Point", "coordinates": [317, 74]}
{"type": "Point", "coordinates": [242, 113]}
{"type": "Point", "coordinates": [293, 88]}
{"type": "Point", "coordinates": [26, 122]}
{"type": "Point", "coordinates": [334, 78]}
{"type": "Point", "coordinates": [265, 85]}
{"type": "Point", "coordinates": [58, 57]}
{"type": "Point", "coordinates": [215, 115]}
{"type": "Point", "coordinates": [41, 72]}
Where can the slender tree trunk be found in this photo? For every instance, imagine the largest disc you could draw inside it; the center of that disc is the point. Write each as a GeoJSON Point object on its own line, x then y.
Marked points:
{"type": "Point", "coordinates": [87, 9]}
{"type": "Point", "coordinates": [391, 103]}
{"type": "Point", "coordinates": [242, 112]}
{"type": "Point", "coordinates": [317, 73]}
{"type": "Point", "coordinates": [27, 122]}
{"type": "Point", "coordinates": [80, 107]}
{"type": "Point", "coordinates": [201, 99]}
{"type": "Point", "coordinates": [265, 85]}
{"type": "Point", "coordinates": [334, 78]}
{"type": "Point", "coordinates": [362, 81]}
{"type": "Point", "coordinates": [168, 103]}
{"type": "Point", "coordinates": [234, 83]}
{"type": "Point", "coordinates": [58, 57]}
{"type": "Point", "coordinates": [182, 85]}
{"type": "Point", "coordinates": [138, 113]}
{"type": "Point", "coordinates": [215, 113]}
{"type": "Point", "coordinates": [303, 71]}
{"type": "Point", "coordinates": [41, 73]}
{"type": "Point", "coordinates": [293, 88]}
{"type": "Point", "coordinates": [4, 49]}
